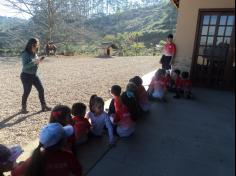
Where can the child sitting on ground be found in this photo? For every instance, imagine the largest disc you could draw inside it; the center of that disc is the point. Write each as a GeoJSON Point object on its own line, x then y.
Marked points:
{"type": "Point", "coordinates": [178, 83]}
{"type": "Point", "coordinates": [62, 114]}
{"type": "Point", "coordinates": [81, 124]}
{"type": "Point", "coordinates": [115, 105]}
{"type": "Point", "coordinates": [184, 86]}
{"type": "Point", "coordinates": [125, 117]}
{"type": "Point", "coordinates": [8, 158]}
{"type": "Point", "coordinates": [170, 83]}
{"type": "Point", "coordinates": [121, 118]}
{"type": "Point", "coordinates": [50, 158]}
{"type": "Point", "coordinates": [158, 89]}
{"type": "Point", "coordinates": [99, 119]}
{"type": "Point", "coordinates": [132, 101]}
{"type": "Point", "coordinates": [142, 96]}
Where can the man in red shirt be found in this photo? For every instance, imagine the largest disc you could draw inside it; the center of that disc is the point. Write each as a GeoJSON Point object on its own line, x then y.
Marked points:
{"type": "Point", "coordinates": [169, 52]}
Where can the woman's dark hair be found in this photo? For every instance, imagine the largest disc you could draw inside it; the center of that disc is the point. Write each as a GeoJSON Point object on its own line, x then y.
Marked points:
{"type": "Point", "coordinates": [30, 44]}
{"type": "Point", "coordinates": [37, 163]}
{"type": "Point", "coordinates": [131, 104]}
{"type": "Point", "coordinates": [170, 36]}
{"type": "Point", "coordinates": [91, 102]}
{"type": "Point", "coordinates": [116, 90]}
{"type": "Point", "coordinates": [59, 114]}
{"type": "Point", "coordinates": [78, 109]}
{"type": "Point", "coordinates": [185, 75]}
{"type": "Point", "coordinates": [137, 81]}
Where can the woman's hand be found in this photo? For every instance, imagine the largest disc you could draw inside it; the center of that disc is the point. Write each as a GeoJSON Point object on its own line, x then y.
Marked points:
{"type": "Point", "coordinates": [37, 61]}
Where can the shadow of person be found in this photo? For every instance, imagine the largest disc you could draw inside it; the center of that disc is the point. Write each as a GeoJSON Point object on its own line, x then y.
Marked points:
{"type": "Point", "coordinates": [9, 118]}
{"type": "Point", "coordinates": [4, 124]}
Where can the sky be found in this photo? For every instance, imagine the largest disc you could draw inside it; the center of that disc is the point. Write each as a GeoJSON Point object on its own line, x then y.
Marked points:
{"type": "Point", "coordinates": [6, 11]}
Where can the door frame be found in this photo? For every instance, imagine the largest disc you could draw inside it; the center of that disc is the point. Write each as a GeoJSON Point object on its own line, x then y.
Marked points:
{"type": "Point", "coordinates": [196, 41]}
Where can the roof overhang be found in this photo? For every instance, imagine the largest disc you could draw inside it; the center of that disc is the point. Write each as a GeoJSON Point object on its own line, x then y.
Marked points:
{"type": "Point", "coordinates": [176, 3]}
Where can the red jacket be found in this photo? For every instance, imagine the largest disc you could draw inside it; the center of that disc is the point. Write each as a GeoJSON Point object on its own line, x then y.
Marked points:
{"type": "Point", "coordinates": [81, 127]}
{"type": "Point", "coordinates": [169, 49]}
{"type": "Point", "coordinates": [57, 163]}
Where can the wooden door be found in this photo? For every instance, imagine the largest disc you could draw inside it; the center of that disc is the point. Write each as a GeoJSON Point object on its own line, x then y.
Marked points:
{"type": "Point", "coordinates": [213, 64]}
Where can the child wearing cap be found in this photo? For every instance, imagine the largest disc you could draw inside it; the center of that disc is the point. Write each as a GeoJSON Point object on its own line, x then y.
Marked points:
{"type": "Point", "coordinates": [81, 124]}
{"type": "Point", "coordinates": [8, 158]}
{"type": "Point", "coordinates": [169, 52]}
{"type": "Point", "coordinates": [99, 118]}
{"type": "Point", "coordinates": [49, 158]}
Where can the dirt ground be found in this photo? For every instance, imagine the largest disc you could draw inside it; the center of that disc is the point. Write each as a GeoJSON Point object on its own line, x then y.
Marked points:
{"type": "Point", "coordinates": [66, 80]}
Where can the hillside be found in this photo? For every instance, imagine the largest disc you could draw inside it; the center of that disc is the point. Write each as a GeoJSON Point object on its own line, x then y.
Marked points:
{"type": "Point", "coordinates": [153, 22]}
{"type": "Point", "coordinates": [132, 30]}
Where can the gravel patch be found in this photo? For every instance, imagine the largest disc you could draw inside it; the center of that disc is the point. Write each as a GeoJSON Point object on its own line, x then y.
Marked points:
{"type": "Point", "coordinates": [66, 80]}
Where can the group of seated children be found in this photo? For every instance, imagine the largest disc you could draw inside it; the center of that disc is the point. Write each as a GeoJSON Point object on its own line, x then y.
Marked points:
{"type": "Point", "coordinates": [126, 107]}
{"type": "Point", "coordinates": [164, 81]}
{"type": "Point", "coordinates": [70, 127]}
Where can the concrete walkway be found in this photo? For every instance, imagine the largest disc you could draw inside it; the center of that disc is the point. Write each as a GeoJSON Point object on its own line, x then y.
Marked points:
{"type": "Point", "coordinates": [178, 138]}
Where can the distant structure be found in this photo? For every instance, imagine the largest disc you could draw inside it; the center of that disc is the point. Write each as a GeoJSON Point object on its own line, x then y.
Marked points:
{"type": "Point", "coordinates": [50, 49]}
{"type": "Point", "coordinates": [106, 49]}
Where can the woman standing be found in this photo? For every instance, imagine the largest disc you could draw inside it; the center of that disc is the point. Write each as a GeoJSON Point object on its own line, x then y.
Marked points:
{"type": "Point", "coordinates": [29, 75]}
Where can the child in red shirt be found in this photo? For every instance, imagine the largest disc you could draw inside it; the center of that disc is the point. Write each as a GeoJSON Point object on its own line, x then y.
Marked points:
{"type": "Point", "coordinates": [49, 158]}
{"type": "Point", "coordinates": [122, 117]}
{"type": "Point", "coordinates": [169, 52]}
{"type": "Point", "coordinates": [81, 124]}
{"type": "Point", "coordinates": [186, 85]}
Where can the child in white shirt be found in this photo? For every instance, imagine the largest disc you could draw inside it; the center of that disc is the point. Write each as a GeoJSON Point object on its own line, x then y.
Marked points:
{"type": "Point", "coordinates": [99, 118]}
